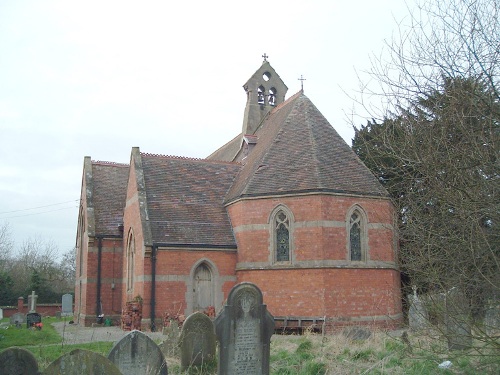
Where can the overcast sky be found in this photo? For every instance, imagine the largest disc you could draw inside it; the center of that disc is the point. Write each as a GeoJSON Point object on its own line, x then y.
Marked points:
{"type": "Point", "coordinates": [96, 78]}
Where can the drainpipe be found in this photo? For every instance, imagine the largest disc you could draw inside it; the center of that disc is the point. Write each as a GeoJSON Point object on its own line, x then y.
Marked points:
{"type": "Point", "coordinates": [98, 294]}
{"type": "Point", "coordinates": [153, 289]}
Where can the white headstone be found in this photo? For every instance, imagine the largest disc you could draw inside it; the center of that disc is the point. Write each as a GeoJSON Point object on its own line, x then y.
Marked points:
{"type": "Point", "coordinates": [33, 302]}
{"type": "Point", "coordinates": [67, 305]}
{"type": "Point", "coordinates": [1, 314]}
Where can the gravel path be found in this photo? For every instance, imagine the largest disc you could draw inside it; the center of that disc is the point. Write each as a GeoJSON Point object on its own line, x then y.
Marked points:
{"type": "Point", "coordinates": [75, 334]}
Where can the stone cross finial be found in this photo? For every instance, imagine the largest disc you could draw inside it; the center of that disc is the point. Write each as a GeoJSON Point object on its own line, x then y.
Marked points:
{"type": "Point", "coordinates": [265, 57]}
{"type": "Point", "coordinates": [301, 79]}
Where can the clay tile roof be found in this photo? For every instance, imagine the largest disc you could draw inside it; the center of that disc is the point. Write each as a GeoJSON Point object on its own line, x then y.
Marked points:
{"type": "Point", "coordinates": [110, 188]}
{"type": "Point", "coordinates": [185, 200]}
{"type": "Point", "coordinates": [298, 151]}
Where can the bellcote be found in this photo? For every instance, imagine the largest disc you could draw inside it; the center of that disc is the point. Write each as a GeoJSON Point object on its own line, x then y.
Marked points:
{"type": "Point", "coordinates": [265, 90]}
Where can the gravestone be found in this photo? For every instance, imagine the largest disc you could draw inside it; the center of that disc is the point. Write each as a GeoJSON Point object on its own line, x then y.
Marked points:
{"type": "Point", "coordinates": [357, 333]}
{"type": "Point", "coordinates": [32, 319]}
{"type": "Point", "coordinates": [136, 354]}
{"type": "Point", "coordinates": [17, 361]}
{"type": "Point", "coordinates": [1, 314]}
{"type": "Point", "coordinates": [67, 305]}
{"type": "Point", "coordinates": [418, 318]}
{"type": "Point", "coordinates": [244, 329]}
{"type": "Point", "coordinates": [492, 319]}
{"type": "Point", "coordinates": [81, 362]}
{"type": "Point", "coordinates": [197, 341]}
{"type": "Point", "coordinates": [170, 346]}
{"type": "Point", "coordinates": [457, 320]}
{"type": "Point", "coordinates": [17, 318]}
{"type": "Point", "coordinates": [32, 302]}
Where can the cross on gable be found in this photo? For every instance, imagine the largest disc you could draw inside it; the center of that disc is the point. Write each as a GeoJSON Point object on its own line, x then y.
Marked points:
{"type": "Point", "coordinates": [265, 56]}
{"type": "Point", "coordinates": [301, 79]}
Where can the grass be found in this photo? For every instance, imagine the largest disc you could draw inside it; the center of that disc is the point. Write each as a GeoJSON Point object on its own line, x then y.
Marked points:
{"type": "Point", "coordinates": [309, 354]}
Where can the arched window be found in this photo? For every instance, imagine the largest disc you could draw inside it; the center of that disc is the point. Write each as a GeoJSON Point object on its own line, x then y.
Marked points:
{"type": "Point", "coordinates": [357, 235]}
{"type": "Point", "coordinates": [130, 261]}
{"type": "Point", "coordinates": [281, 221]}
{"type": "Point", "coordinates": [260, 95]}
{"type": "Point", "coordinates": [272, 96]}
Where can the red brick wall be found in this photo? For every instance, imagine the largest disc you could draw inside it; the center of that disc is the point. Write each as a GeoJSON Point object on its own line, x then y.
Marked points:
{"type": "Point", "coordinates": [321, 280]}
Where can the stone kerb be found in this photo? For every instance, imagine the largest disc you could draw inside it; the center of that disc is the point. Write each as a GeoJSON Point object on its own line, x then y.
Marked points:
{"type": "Point", "coordinates": [17, 361]}
{"type": "Point", "coordinates": [197, 341]}
{"type": "Point", "coordinates": [244, 329]}
{"type": "Point", "coordinates": [137, 354]}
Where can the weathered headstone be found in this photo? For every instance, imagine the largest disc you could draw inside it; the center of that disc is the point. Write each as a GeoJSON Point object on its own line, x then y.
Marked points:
{"type": "Point", "coordinates": [357, 333]}
{"type": "Point", "coordinates": [136, 354]}
{"type": "Point", "coordinates": [81, 362]}
{"type": "Point", "coordinates": [1, 314]}
{"type": "Point", "coordinates": [32, 302]}
{"type": "Point", "coordinates": [492, 319]}
{"type": "Point", "coordinates": [244, 329]}
{"type": "Point", "coordinates": [32, 319]}
{"type": "Point", "coordinates": [17, 318]}
{"type": "Point", "coordinates": [17, 361]}
{"type": "Point", "coordinates": [418, 318]}
{"type": "Point", "coordinates": [197, 341]}
{"type": "Point", "coordinates": [170, 345]}
{"type": "Point", "coordinates": [67, 305]}
{"type": "Point", "coordinates": [457, 321]}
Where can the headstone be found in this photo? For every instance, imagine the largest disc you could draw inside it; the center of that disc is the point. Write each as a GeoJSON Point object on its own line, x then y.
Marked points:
{"type": "Point", "coordinates": [197, 341]}
{"type": "Point", "coordinates": [170, 345]}
{"type": "Point", "coordinates": [1, 314]}
{"type": "Point", "coordinates": [457, 321]}
{"type": "Point", "coordinates": [32, 302]}
{"type": "Point", "coordinates": [136, 354]}
{"type": "Point", "coordinates": [244, 329]}
{"type": "Point", "coordinates": [81, 362]}
{"type": "Point", "coordinates": [32, 319]}
{"type": "Point", "coordinates": [492, 319]}
{"type": "Point", "coordinates": [67, 305]}
{"type": "Point", "coordinates": [418, 318]}
{"type": "Point", "coordinates": [17, 361]}
{"type": "Point", "coordinates": [357, 333]}
{"type": "Point", "coordinates": [17, 318]}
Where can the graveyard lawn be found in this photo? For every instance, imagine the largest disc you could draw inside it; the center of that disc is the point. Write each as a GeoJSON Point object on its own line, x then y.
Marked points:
{"type": "Point", "coordinates": [12, 336]}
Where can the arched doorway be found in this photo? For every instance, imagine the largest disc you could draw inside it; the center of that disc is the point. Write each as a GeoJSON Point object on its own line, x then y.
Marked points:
{"type": "Point", "coordinates": [203, 288]}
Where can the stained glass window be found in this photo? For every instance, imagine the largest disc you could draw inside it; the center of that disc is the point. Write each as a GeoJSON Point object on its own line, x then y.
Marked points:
{"type": "Point", "coordinates": [282, 238]}
{"type": "Point", "coordinates": [355, 236]}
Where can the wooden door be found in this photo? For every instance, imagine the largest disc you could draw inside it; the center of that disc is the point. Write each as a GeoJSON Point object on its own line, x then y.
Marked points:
{"type": "Point", "coordinates": [203, 289]}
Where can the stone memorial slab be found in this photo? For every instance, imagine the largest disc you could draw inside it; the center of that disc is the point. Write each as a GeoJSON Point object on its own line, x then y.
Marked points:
{"type": "Point", "coordinates": [418, 317]}
{"type": "Point", "coordinates": [197, 341]}
{"type": "Point", "coordinates": [32, 319]}
{"type": "Point", "coordinates": [17, 361]}
{"type": "Point", "coordinates": [357, 333]}
{"type": "Point", "coordinates": [492, 319]}
{"type": "Point", "coordinates": [81, 362]}
{"type": "Point", "coordinates": [1, 314]}
{"type": "Point", "coordinates": [244, 329]}
{"type": "Point", "coordinates": [17, 318]}
{"type": "Point", "coordinates": [67, 305]}
{"type": "Point", "coordinates": [136, 354]}
{"type": "Point", "coordinates": [170, 345]}
{"type": "Point", "coordinates": [457, 321]}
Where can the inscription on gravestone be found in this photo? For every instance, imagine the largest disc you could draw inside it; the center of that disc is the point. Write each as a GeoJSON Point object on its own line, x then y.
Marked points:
{"type": "Point", "coordinates": [137, 354]}
{"type": "Point", "coordinates": [244, 329]}
{"type": "Point", "coordinates": [197, 341]}
{"type": "Point", "coordinates": [17, 361]}
{"type": "Point", "coordinates": [67, 305]}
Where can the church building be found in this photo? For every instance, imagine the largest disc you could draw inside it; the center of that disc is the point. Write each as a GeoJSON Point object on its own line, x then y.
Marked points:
{"type": "Point", "coordinates": [286, 205]}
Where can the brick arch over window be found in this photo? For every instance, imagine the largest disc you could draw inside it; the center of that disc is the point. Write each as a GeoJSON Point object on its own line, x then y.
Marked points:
{"type": "Point", "coordinates": [281, 223]}
{"type": "Point", "coordinates": [357, 234]}
{"type": "Point", "coordinates": [130, 261]}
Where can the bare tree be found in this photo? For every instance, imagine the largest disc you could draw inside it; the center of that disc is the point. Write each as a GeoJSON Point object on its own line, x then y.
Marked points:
{"type": "Point", "coordinates": [434, 142]}
{"type": "Point", "coordinates": [6, 245]}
